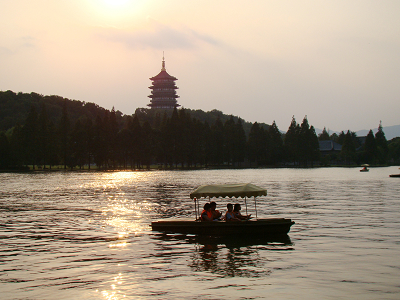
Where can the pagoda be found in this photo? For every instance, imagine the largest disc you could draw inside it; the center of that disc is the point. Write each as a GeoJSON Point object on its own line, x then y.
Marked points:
{"type": "Point", "coordinates": [163, 90]}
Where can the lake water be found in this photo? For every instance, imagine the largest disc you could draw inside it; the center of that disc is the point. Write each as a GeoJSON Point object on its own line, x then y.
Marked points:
{"type": "Point", "coordinates": [87, 235]}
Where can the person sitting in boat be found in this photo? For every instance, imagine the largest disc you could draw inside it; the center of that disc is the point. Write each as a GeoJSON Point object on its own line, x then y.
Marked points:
{"type": "Point", "coordinates": [236, 212]}
{"type": "Point", "coordinates": [216, 213]}
{"type": "Point", "coordinates": [206, 214]}
{"type": "Point", "coordinates": [229, 215]}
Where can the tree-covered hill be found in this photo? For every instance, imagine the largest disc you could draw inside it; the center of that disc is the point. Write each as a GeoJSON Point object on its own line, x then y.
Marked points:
{"type": "Point", "coordinates": [46, 131]}
{"type": "Point", "coordinates": [14, 109]}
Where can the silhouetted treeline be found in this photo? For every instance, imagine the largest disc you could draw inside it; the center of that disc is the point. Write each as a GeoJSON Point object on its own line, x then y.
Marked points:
{"type": "Point", "coordinates": [371, 149]}
{"type": "Point", "coordinates": [56, 131]}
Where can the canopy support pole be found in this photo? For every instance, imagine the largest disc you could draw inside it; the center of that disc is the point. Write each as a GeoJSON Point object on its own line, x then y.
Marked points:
{"type": "Point", "coordinates": [245, 202]}
{"type": "Point", "coordinates": [195, 207]}
{"type": "Point", "coordinates": [255, 205]}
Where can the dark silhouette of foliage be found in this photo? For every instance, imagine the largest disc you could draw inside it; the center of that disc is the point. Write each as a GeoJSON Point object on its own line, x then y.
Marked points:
{"type": "Point", "coordinates": [75, 134]}
{"type": "Point", "coordinates": [348, 148]}
{"type": "Point", "coordinates": [292, 141]}
{"type": "Point", "coordinates": [324, 135]}
{"type": "Point", "coordinates": [5, 151]}
{"type": "Point", "coordinates": [276, 147]}
{"type": "Point", "coordinates": [370, 148]}
{"type": "Point", "coordinates": [381, 144]}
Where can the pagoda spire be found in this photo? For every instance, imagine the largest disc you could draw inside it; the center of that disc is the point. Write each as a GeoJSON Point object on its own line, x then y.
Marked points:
{"type": "Point", "coordinates": [163, 62]}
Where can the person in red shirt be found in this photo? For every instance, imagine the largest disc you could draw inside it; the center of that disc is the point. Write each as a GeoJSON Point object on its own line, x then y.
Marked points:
{"type": "Point", "coordinates": [206, 214]}
{"type": "Point", "coordinates": [216, 213]}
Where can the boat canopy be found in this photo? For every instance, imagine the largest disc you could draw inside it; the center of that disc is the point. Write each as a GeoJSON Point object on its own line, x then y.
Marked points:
{"type": "Point", "coordinates": [228, 190]}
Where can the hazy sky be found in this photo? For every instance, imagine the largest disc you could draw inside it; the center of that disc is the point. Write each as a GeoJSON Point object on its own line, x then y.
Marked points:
{"type": "Point", "coordinates": [338, 62]}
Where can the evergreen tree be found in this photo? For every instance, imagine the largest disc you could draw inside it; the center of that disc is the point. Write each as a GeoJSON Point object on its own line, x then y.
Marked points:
{"type": "Point", "coordinates": [229, 133]}
{"type": "Point", "coordinates": [217, 140]}
{"type": "Point", "coordinates": [185, 154]}
{"type": "Point", "coordinates": [257, 145]}
{"type": "Point", "coordinates": [137, 139]}
{"type": "Point", "coordinates": [207, 136]}
{"type": "Point", "coordinates": [276, 147]}
{"type": "Point", "coordinates": [99, 143]}
{"type": "Point", "coordinates": [5, 152]}
{"type": "Point", "coordinates": [112, 138]}
{"type": "Point", "coordinates": [43, 136]}
{"type": "Point", "coordinates": [63, 134]}
{"type": "Point", "coordinates": [394, 151]}
{"type": "Point", "coordinates": [292, 141]}
{"type": "Point", "coordinates": [52, 148]}
{"type": "Point", "coordinates": [147, 144]}
{"type": "Point", "coordinates": [240, 143]}
{"type": "Point", "coordinates": [314, 153]}
{"type": "Point", "coordinates": [348, 151]}
{"type": "Point", "coordinates": [381, 144]}
{"type": "Point", "coordinates": [308, 145]}
{"type": "Point", "coordinates": [303, 146]}
{"type": "Point", "coordinates": [17, 146]}
{"type": "Point", "coordinates": [324, 135]}
{"type": "Point", "coordinates": [334, 137]}
{"type": "Point", "coordinates": [340, 138]}
{"type": "Point", "coordinates": [370, 148]}
{"type": "Point", "coordinates": [30, 138]}
{"type": "Point", "coordinates": [198, 142]}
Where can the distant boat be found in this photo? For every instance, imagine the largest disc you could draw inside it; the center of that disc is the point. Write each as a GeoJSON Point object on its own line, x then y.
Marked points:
{"type": "Point", "coordinates": [365, 168]}
{"type": "Point", "coordinates": [394, 175]}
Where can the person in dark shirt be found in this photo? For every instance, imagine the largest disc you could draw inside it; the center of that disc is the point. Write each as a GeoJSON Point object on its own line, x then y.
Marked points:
{"type": "Point", "coordinates": [236, 212]}
{"type": "Point", "coordinates": [229, 215]}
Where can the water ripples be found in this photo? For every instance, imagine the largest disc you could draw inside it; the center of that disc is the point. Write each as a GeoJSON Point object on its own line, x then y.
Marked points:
{"type": "Point", "coordinates": [86, 235]}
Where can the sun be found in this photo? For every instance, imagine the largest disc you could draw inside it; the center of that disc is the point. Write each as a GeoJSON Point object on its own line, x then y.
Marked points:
{"type": "Point", "coordinates": [114, 13]}
{"type": "Point", "coordinates": [115, 3]}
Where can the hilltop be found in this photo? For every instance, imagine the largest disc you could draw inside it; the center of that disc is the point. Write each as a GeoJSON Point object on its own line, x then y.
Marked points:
{"type": "Point", "coordinates": [14, 109]}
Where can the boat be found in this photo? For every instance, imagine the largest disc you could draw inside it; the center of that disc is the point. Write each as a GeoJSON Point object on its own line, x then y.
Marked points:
{"type": "Point", "coordinates": [394, 175]}
{"type": "Point", "coordinates": [254, 227]}
{"type": "Point", "coordinates": [365, 168]}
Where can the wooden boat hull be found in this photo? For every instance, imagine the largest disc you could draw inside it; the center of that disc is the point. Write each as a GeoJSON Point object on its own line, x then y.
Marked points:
{"type": "Point", "coordinates": [273, 226]}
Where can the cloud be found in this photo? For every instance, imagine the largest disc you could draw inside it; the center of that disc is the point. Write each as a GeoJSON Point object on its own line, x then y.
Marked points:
{"type": "Point", "coordinates": [18, 45]}
{"type": "Point", "coordinates": [157, 36]}
{"type": "Point", "coordinates": [5, 51]}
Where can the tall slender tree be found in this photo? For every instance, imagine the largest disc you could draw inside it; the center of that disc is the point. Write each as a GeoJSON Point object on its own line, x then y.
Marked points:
{"type": "Point", "coordinates": [381, 144]}
{"type": "Point", "coordinates": [30, 138]}
{"type": "Point", "coordinates": [324, 135]}
{"type": "Point", "coordinates": [229, 133]}
{"type": "Point", "coordinates": [5, 152]}
{"type": "Point", "coordinates": [370, 148]}
{"type": "Point", "coordinates": [64, 128]}
{"type": "Point", "coordinates": [217, 140]}
{"type": "Point", "coordinates": [276, 143]}
{"type": "Point", "coordinates": [292, 141]}
{"type": "Point", "coordinates": [240, 143]}
{"type": "Point", "coordinates": [43, 136]}
{"type": "Point", "coordinates": [348, 151]}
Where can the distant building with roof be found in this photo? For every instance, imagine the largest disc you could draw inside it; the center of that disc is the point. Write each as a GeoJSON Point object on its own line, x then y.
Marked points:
{"type": "Point", "coordinates": [329, 147]}
{"type": "Point", "coordinates": [163, 90]}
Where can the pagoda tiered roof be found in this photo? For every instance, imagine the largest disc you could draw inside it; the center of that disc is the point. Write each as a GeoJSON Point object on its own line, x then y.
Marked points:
{"type": "Point", "coordinates": [163, 75]}
{"type": "Point", "coordinates": [163, 90]}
